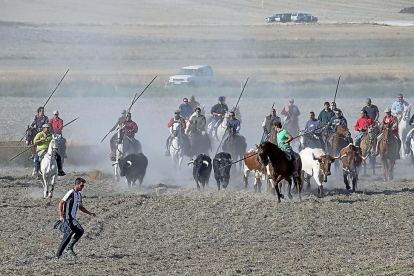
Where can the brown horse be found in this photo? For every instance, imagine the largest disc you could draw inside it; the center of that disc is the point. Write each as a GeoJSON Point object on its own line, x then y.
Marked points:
{"type": "Point", "coordinates": [199, 143]}
{"type": "Point", "coordinates": [368, 143]}
{"type": "Point", "coordinates": [283, 168]}
{"type": "Point", "coordinates": [388, 150]}
{"type": "Point", "coordinates": [339, 140]}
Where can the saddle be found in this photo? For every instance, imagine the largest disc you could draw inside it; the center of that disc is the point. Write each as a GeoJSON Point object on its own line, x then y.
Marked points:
{"type": "Point", "coordinates": [41, 154]}
{"type": "Point", "coordinates": [291, 155]}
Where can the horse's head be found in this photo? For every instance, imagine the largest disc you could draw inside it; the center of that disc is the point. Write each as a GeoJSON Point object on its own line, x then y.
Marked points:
{"type": "Point", "coordinates": [30, 134]}
{"type": "Point", "coordinates": [387, 132]}
{"type": "Point", "coordinates": [120, 134]}
{"type": "Point", "coordinates": [343, 130]}
{"type": "Point", "coordinates": [263, 153]}
{"type": "Point", "coordinates": [175, 129]}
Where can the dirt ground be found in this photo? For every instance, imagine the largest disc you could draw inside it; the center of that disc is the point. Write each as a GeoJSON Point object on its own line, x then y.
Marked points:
{"type": "Point", "coordinates": [170, 228]}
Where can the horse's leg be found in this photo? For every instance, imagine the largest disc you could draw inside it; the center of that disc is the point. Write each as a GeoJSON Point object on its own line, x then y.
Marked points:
{"type": "Point", "coordinates": [384, 168]}
{"type": "Point", "coordinates": [289, 180]}
{"type": "Point", "coordinates": [298, 181]}
{"type": "Point", "coordinates": [277, 186]}
{"type": "Point", "coordinates": [45, 185]}
{"type": "Point", "coordinates": [372, 162]}
{"type": "Point", "coordinates": [346, 181]}
{"type": "Point", "coordinates": [365, 168]}
{"type": "Point", "coordinates": [246, 177]}
{"type": "Point", "coordinates": [116, 172]}
{"type": "Point", "coordinates": [391, 169]}
{"type": "Point", "coordinates": [259, 185]}
{"type": "Point", "coordinates": [52, 183]}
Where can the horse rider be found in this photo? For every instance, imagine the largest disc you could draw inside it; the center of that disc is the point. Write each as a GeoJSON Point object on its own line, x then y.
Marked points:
{"type": "Point", "coordinates": [334, 108]}
{"type": "Point", "coordinates": [193, 103]}
{"type": "Point", "coordinates": [42, 141]}
{"type": "Point", "coordinates": [338, 119]}
{"type": "Point", "coordinates": [199, 120]}
{"type": "Point", "coordinates": [326, 114]}
{"type": "Point", "coordinates": [40, 119]}
{"type": "Point", "coordinates": [283, 141]}
{"type": "Point", "coordinates": [57, 124]}
{"type": "Point", "coordinates": [114, 137]}
{"type": "Point", "coordinates": [292, 114]}
{"type": "Point", "coordinates": [390, 119]}
{"type": "Point", "coordinates": [361, 126]}
{"type": "Point", "coordinates": [181, 127]}
{"type": "Point", "coordinates": [268, 123]}
{"type": "Point", "coordinates": [186, 109]}
{"type": "Point", "coordinates": [410, 135]}
{"type": "Point", "coordinates": [314, 129]}
{"type": "Point", "coordinates": [398, 106]}
{"type": "Point", "coordinates": [371, 110]}
{"type": "Point", "coordinates": [218, 111]}
{"type": "Point", "coordinates": [130, 129]}
{"type": "Point", "coordinates": [233, 122]}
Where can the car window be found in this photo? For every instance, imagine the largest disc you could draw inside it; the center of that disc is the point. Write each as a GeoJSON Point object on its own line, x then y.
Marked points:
{"type": "Point", "coordinates": [208, 72]}
{"type": "Point", "coordinates": [187, 72]}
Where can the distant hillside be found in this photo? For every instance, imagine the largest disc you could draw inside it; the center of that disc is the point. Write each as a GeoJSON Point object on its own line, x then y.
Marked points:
{"type": "Point", "coordinates": [195, 11]}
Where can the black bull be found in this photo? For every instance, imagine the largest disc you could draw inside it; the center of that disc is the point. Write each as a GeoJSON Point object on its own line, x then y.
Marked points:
{"type": "Point", "coordinates": [133, 167]}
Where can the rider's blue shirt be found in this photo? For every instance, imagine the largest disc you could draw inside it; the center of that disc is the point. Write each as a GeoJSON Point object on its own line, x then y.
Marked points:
{"type": "Point", "coordinates": [338, 121]}
{"type": "Point", "coordinates": [312, 125]}
{"type": "Point", "coordinates": [235, 123]}
{"type": "Point", "coordinates": [38, 122]}
{"type": "Point", "coordinates": [186, 110]}
{"type": "Point", "coordinates": [398, 108]}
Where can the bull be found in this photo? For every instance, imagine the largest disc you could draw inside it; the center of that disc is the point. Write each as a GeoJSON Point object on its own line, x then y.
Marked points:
{"type": "Point", "coordinates": [201, 169]}
{"type": "Point", "coordinates": [317, 164]}
{"type": "Point", "coordinates": [351, 159]}
{"type": "Point", "coordinates": [133, 167]}
{"type": "Point", "coordinates": [221, 166]}
{"type": "Point", "coordinates": [252, 164]}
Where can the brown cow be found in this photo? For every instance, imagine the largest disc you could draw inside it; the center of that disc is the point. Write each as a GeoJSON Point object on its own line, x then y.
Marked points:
{"type": "Point", "coordinates": [351, 159]}
{"type": "Point", "coordinates": [251, 164]}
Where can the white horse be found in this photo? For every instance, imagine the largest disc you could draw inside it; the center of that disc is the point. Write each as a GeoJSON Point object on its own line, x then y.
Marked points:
{"type": "Point", "coordinates": [221, 128]}
{"type": "Point", "coordinates": [124, 147]}
{"type": "Point", "coordinates": [49, 169]}
{"type": "Point", "coordinates": [177, 145]}
{"type": "Point", "coordinates": [403, 126]}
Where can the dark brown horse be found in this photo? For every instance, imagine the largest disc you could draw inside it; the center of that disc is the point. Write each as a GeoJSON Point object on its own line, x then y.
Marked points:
{"type": "Point", "coordinates": [199, 143]}
{"type": "Point", "coordinates": [339, 140]}
{"type": "Point", "coordinates": [283, 168]}
{"type": "Point", "coordinates": [388, 150]}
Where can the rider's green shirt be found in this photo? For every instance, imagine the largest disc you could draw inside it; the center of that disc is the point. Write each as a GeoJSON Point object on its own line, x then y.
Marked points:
{"type": "Point", "coordinates": [45, 144]}
{"type": "Point", "coordinates": [283, 136]}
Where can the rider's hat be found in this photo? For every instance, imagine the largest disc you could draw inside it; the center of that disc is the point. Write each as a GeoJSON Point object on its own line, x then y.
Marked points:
{"type": "Point", "coordinates": [387, 110]}
{"type": "Point", "coordinates": [177, 111]}
{"type": "Point", "coordinates": [220, 99]}
{"type": "Point", "coordinates": [123, 111]}
{"type": "Point", "coordinates": [46, 125]}
{"type": "Point", "coordinates": [55, 112]}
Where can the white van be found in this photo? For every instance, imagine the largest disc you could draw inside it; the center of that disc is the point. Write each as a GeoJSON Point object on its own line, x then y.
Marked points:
{"type": "Point", "coordinates": [195, 75]}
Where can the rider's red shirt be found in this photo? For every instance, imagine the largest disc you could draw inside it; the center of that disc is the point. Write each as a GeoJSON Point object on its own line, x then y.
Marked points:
{"type": "Point", "coordinates": [130, 128]}
{"type": "Point", "coordinates": [57, 125]}
{"type": "Point", "coordinates": [183, 125]}
{"type": "Point", "coordinates": [363, 123]}
{"type": "Point", "coordinates": [394, 121]}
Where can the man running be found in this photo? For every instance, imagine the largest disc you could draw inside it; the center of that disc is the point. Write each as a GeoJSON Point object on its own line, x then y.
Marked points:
{"type": "Point", "coordinates": [68, 207]}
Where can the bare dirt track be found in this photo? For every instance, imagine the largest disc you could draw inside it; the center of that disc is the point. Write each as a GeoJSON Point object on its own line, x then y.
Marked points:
{"type": "Point", "coordinates": [165, 229]}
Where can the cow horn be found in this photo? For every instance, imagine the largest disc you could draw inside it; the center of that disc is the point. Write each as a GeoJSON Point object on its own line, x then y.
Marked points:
{"type": "Point", "coordinates": [129, 163]}
{"type": "Point", "coordinates": [114, 164]}
{"type": "Point", "coordinates": [217, 159]}
{"type": "Point", "coordinates": [316, 158]}
{"type": "Point", "coordinates": [365, 158]}
{"type": "Point", "coordinates": [345, 155]}
{"type": "Point", "coordinates": [205, 163]}
{"type": "Point", "coordinates": [336, 157]}
{"type": "Point", "coordinates": [190, 162]}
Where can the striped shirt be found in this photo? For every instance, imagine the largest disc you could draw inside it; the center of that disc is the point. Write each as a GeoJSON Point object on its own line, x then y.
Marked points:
{"type": "Point", "coordinates": [72, 201]}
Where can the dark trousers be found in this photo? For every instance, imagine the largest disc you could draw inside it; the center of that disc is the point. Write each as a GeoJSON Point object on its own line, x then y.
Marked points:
{"type": "Point", "coordinates": [70, 227]}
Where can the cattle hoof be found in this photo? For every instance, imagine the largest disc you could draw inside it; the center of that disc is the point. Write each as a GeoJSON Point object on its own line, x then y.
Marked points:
{"type": "Point", "coordinates": [290, 196]}
{"type": "Point", "coordinates": [348, 187]}
{"type": "Point", "coordinates": [282, 196]}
